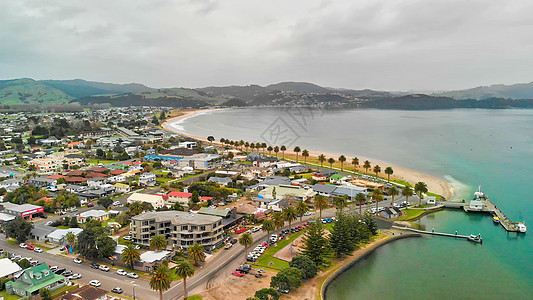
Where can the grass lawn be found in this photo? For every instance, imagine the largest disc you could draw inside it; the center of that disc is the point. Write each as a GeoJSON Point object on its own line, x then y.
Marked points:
{"type": "Point", "coordinates": [107, 222]}
{"type": "Point", "coordinates": [100, 161]}
{"type": "Point", "coordinates": [9, 297]}
{"type": "Point", "coordinates": [410, 213]}
{"type": "Point", "coordinates": [63, 290]}
{"type": "Point", "coordinates": [434, 195]}
{"type": "Point", "coordinates": [267, 258]}
{"type": "Point", "coordinates": [194, 297]}
{"type": "Point", "coordinates": [63, 227]}
{"type": "Point", "coordinates": [244, 162]}
{"type": "Point", "coordinates": [161, 179]}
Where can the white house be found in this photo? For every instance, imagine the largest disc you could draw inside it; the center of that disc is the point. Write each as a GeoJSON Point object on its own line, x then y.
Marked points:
{"type": "Point", "coordinates": [58, 236]}
{"type": "Point", "coordinates": [94, 214]}
{"type": "Point", "coordinates": [147, 179]}
{"type": "Point", "coordinates": [157, 201]}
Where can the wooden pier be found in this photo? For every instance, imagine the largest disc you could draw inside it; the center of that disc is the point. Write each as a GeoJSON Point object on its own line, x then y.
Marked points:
{"type": "Point", "coordinates": [433, 232]}
{"type": "Point", "coordinates": [488, 207]}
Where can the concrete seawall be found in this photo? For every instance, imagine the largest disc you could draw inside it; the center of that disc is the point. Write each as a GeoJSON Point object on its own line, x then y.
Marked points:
{"type": "Point", "coordinates": [343, 268]}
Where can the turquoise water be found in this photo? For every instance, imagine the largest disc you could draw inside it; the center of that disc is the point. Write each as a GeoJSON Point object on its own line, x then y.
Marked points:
{"type": "Point", "coordinates": [492, 148]}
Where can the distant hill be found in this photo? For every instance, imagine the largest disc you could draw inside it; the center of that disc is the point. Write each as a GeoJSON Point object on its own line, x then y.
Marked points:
{"type": "Point", "coordinates": [29, 91]}
{"type": "Point", "coordinates": [141, 100]}
{"type": "Point", "coordinates": [245, 93]}
{"type": "Point", "coordinates": [78, 88]}
{"type": "Point", "coordinates": [514, 91]}
{"type": "Point", "coordinates": [298, 87]}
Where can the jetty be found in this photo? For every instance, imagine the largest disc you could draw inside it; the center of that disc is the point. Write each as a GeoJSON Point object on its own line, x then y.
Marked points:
{"type": "Point", "coordinates": [466, 237]}
{"type": "Point", "coordinates": [486, 207]}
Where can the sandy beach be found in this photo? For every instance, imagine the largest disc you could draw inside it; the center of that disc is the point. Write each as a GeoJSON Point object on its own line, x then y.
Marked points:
{"type": "Point", "coordinates": [435, 185]}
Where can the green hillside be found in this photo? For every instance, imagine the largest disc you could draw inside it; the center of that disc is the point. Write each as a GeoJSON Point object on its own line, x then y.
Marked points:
{"type": "Point", "coordinates": [183, 93]}
{"type": "Point", "coordinates": [29, 91]}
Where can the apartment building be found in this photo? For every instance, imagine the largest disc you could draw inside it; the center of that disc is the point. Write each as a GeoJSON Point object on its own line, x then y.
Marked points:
{"type": "Point", "coordinates": [202, 161]}
{"type": "Point", "coordinates": [49, 165]}
{"type": "Point", "coordinates": [182, 229]}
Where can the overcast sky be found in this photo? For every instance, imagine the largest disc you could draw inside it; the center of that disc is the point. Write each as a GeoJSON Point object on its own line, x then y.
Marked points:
{"type": "Point", "coordinates": [388, 45]}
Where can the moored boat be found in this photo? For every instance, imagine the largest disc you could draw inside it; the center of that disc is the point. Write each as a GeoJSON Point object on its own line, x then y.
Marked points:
{"type": "Point", "coordinates": [496, 220]}
{"type": "Point", "coordinates": [475, 239]}
{"type": "Point", "coordinates": [521, 227]}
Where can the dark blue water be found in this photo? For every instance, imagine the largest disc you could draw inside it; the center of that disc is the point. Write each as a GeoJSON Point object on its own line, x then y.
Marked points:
{"type": "Point", "coordinates": [468, 147]}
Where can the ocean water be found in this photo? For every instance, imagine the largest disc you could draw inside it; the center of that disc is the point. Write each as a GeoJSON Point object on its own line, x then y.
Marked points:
{"type": "Point", "coordinates": [467, 147]}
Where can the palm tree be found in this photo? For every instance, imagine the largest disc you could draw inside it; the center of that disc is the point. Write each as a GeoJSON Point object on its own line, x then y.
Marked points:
{"type": "Point", "coordinates": [263, 146]}
{"type": "Point", "coordinates": [331, 161]}
{"type": "Point", "coordinates": [406, 192]}
{"type": "Point", "coordinates": [283, 148]}
{"type": "Point", "coordinates": [321, 159]}
{"type": "Point", "coordinates": [246, 240]}
{"type": "Point", "coordinates": [301, 209]}
{"type": "Point", "coordinates": [367, 166]}
{"type": "Point", "coordinates": [276, 150]}
{"type": "Point", "coordinates": [252, 147]}
{"type": "Point", "coordinates": [342, 159]}
{"type": "Point", "coordinates": [297, 150]}
{"type": "Point", "coordinates": [420, 187]}
{"type": "Point", "coordinates": [355, 163]}
{"type": "Point", "coordinates": [196, 253]}
{"type": "Point", "coordinates": [389, 171]}
{"type": "Point", "coordinates": [71, 238]}
{"type": "Point", "coordinates": [136, 208]}
{"type": "Point", "coordinates": [361, 199]}
{"type": "Point", "coordinates": [290, 214]}
{"type": "Point", "coordinates": [268, 226]}
{"type": "Point", "coordinates": [377, 169]}
{"type": "Point", "coordinates": [246, 145]}
{"type": "Point", "coordinates": [269, 149]}
{"type": "Point", "coordinates": [184, 269]}
{"type": "Point", "coordinates": [161, 279]}
{"type": "Point", "coordinates": [130, 255]}
{"type": "Point", "coordinates": [222, 141]}
{"type": "Point", "coordinates": [158, 242]}
{"type": "Point", "coordinates": [393, 191]}
{"type": "Point", "coordinates": [321, 203]}
{"type": "Point", "coordinates": [377, 196]}
{"type": "Point", "coordinates": [305, 154]}
{"type": "Point", "coordinates": [340, 202]}
{"type": "Point", "coordinates": [278, 219]}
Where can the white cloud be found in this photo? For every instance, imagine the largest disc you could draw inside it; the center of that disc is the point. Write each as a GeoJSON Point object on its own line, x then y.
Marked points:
{"type": "Point", "coordinates": [394, 45]}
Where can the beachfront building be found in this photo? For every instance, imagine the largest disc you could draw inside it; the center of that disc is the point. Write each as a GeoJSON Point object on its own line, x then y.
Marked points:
{"type": "Point", "coordinates": [182, 229]}
{"type": "Point", "coordinates": [283, 191]}
{"type": "Point", "coordinates": [202, 161]}
{"type": "Point", "coordinates": [33, 279]}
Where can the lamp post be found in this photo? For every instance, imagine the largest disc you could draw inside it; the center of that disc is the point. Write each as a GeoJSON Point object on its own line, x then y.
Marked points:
{"type": "Point", "coordinates": [134, 292]}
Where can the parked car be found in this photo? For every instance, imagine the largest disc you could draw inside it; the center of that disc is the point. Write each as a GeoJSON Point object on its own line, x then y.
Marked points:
{"type": "Point", "coordinates": [67, 273]}
{"type": "Point", "coordinates": [49, 223]}
{"type": "Point", "coordinates": [22, 245]}
{"type": "Point", "coordinates": [234, 241]}
{"type": "Point", "coordinates": [54, 268]}
{"type": "Point", "coordinates": [117, 290]}
{"type": "Point", "coordinates": [74, 276]}
{"type": "Point", "coordinates": [60, 271]}
{"type": "Point", "coordinates": [228, 245]}
{"type": "Point", "coordinates": [116, 203]}
{"type": "Point", "coordinates": [122, 272]}
{"type": "Point", "coordinates": [237, 273]}
{"type": "Point", "coordinates": [38, 250]}
{"type": "Point", "coordinates": [104, 268]}
{"type": "Point", "coordinates": [95, 283]}
{"type": "Point", "coordinates": [94, 265]}
{"type": "Point", "coordinates": [77, 260]}
{"type": "Point", "coordinates": [127, 237]}
{"type": "Point", "coordinates": [133, 275]}
{"type": "Point", "coordinates": [90, 204]}
{"type": "Point", "coordinates": [283, 291]}
{"type": "Point", "coordinates": [255, 229]}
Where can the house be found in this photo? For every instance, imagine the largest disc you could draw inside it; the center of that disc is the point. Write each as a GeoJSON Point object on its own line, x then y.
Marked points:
{"type": "Point", "coordinates": [40, 233]}
{"type": "Point", "coordinates": [87, 292]}
{"type": "Point", "coordinates": [33, 279]}
{"type": "Point", "coordinates": [122, 188]}
{"type": "Point", "coordinates": [348, 190]}
{"type": "Point", "coordinates": [431, 200]}
{"type": "Point", "coordinates": [42, 181]}
{"type": "Point", "coordinates": [324, 189]}
{"type": "Point", "coordinates": [76, 189]}
{"type": "Point", "coordinates": [94, 214]}
{"type": "Point", "coordinates": [96, 182]}
{"type": "Point", "coordinates": [8, 267]}
{"type": "Point", "coordinates": [391, 212]}
{"type": "Point", "coordinates": [223, 181]}
{"type": "Point", "coordinates": [147, 179]}
{"type": "Point", "coordinates": [157, 201]}
{"type": "Point", "coordinates": [10, 184]}
{"type": "Point", "coordinates": [149, 260]}
{"type": "Point", "coordinates": [336, 178]}
{"type": "Point", "coordinates": [282, 191]}
{"type": "Point", "coordinates": [261, 160]}
{"type": "Point", "coordinates": [181, 197]}
{"type": "Point", "coordinates": [229, 216]}
{"type": "Point", "coordinates": [58, 236]}
{"type": "Point", "coordinates": [270, 181]}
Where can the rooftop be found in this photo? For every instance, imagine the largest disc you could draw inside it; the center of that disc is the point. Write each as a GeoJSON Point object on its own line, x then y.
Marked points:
{"type": "Point", "coordinates": [178, 217]}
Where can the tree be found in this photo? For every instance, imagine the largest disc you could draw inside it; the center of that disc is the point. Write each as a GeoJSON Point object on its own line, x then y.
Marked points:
{"type": "Point", "coordinates": [278, 219]}
{"type": "Point", "coordinates": [269, 149]}
{"type": "Point", "coordinates": [377, 169]}
{"type": "Point", "coordinates": [246, 240]}
{"type": "Point", "coordinates": [393, 191]}
{"type": "Point", "coordinates": [155, 121]}
{"type": "Point", "coordinates": [331, 160]}
{"type": "Point", "coordinates": [389, 171]}
{"type": "Point", "coordinates": [341, 239]}
{"type": "Point", "coordinates": [100, 153]}
{"type": "Point", "coordinates": [106, 202]}
{"type": "Point", "coordinates": [340, 202]}
{"type": "Point", "coordinates": [377, 195]}
{"type": "Point", "coordinates": [342, 159]}
{"type": "Point", "coordinates": [305, 264]}
{"type": "Point", "coordinates": [290, 214]}
{"type": "Point", "coordinates": [406, 192]}
{"type": "Point", "coordinates": [161, 280]}
{"type": "Point", "coordinates": [196, 253]}
{"type": "Point", "coordinates": [321, 159]}
{"type": "Point", "coordinates": [297, 150]}
{"type": "Point", "coordinates": [162, 116]}
{"type": "Point", "coordinates": [420, 188]}
{"type": "Point", "coordinates": [321, 203]}
{"type": "Point", "coordinates": [367, 166]}
{"type": "Point", "coordinates": [283, 148]}
{"type": "Point", "coordinates": [361, 199]}
{"type": "Point", "coordinates": [355, 163]}
{"type": "Point", "coordinates": [268, 226]}
{"type": "Point", "coordinates": [184, 269]}
{"type": "Point", "coordinates": [123, 218]}
{"type": "Point", "coordinates": [290, 278]}
{"type": "Point", "coordinates": [136, 208]}
{"type": "Point", "coordinates": [301, 208]}
{"type": "Point", "coordinates": [158, 242]}
{"type": "Point", "coordinates": [315, 244]}
{"type": "Point", "coordinates": [18, 229]}
{"type": "Point", "coordinates": [195, 198]}
{"type": "Point", "coordinates": [24, 263]}
{"type": "Point", "coordinates": [71, 237]}
{"type": "Point", "coordinates": [45, 294]}
{"type": "Point", "coordinates": [105, 246]}
{"type": "Point", "coordinates": [276, 150]}
{"type": "Point", "coordinates": [130, 255]}
{"type": "Point", "coordinates": [305, 155]}
{"type": "Point", "coordinates": [267, 294]}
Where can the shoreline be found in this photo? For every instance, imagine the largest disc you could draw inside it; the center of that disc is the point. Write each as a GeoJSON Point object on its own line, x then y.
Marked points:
{"type": "Point", "coordinates": [435, 185]}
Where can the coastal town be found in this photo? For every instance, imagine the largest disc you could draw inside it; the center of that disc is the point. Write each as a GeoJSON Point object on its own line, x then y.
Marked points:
{"type": "Point", "coordinates": [110, 204]}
